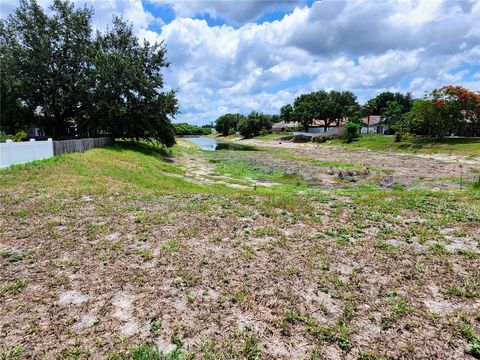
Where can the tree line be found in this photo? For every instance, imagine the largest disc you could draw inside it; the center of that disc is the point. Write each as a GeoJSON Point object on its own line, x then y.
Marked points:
{"type": "Point", "coordinates": [58, 74]}
{"type": "Point", "coordinates": [444, 111]}
{"type": "Point", "coordinates": [182, 129]}
{"type": "Point", "coordinates": [253, 124]}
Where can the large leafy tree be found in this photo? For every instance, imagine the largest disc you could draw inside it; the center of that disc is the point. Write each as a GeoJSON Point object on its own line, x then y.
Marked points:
{"type": "Point", "coordinates": [392, 113]}
{"type": "Point", "coordinates": [379, 104]}
{"type": "Point", "coordinates": [45, 61]}
{"type": "Point", "coordinates": [286, 113]}
{"type": "Point", "coordinates": [127, 100]}
{"type": "Point", "coordinates": [329, 107]}
{"type": "Point", "coordinates": [444, 111]}
{"type": "Point", "coordinates": [227, 123]}
{"type": "Point", "coordinates": [57, 75]}
{"type": "Point", "coordinates": [255, 123]}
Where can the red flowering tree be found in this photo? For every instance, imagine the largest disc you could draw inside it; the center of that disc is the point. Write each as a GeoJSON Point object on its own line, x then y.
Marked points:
{"type": "Point", "coordinates": [448, 110]}
{"type": "Point", "coordinates": [457, 108]}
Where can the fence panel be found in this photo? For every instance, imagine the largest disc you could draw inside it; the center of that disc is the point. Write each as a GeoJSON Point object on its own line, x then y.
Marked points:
{"type": "Point", "coordinates": [22, 152]}
{"type": "Point", "coordinates": [80, 145]}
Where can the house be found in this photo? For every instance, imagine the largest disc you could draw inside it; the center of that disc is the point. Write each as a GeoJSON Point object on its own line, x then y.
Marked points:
{"type": "Point", "coordinates": [317, 127]}
{"type": "Point", "coordinates": [336, 128]}
{"type": "Point", "coordinates": [282, 126]}
{"type": "Point", "coordinates": [373, 124]}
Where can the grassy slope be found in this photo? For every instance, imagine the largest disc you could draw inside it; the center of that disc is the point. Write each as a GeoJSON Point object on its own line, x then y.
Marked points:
{"type": "Point", "coordinates": [128, 180]}
{"type": "Point", "coordinates": [454, 146]}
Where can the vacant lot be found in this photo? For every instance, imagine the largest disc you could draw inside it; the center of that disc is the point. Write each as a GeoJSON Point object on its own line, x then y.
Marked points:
{"type": "Point", "coordinates": [288, 251]}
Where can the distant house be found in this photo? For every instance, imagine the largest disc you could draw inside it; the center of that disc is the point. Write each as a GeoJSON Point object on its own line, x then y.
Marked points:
{"type": "Point", "coordinates": [373, 124]}
{"type": "Point", "coordinates": [318, 127]}
{"type": "Point", "coordinates": [336, 128]}
{"type": "Point", "coordinates": [282, 126]}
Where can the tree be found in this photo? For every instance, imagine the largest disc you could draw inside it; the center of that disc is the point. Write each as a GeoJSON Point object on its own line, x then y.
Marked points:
{"type": "Point", "coordinates": [127, 101]}
{"type": "Point", "coordinates": [254, 124]}
{"type": "Point", "coordinates": [187, 129]}
{"type": "Point", "coordinates": [227, 124]}
{"type": "Point", "coordinates": [379, 104]}
{"type": "Point", "coordinates": [420, 118]}
{"type": "Point", "coordinates": [57, 75]}
{"type": "Point", "coordinates": [329, 107]}
{"type": "Point", "coordinates": [445, 110]}
{"type": "Point", "coordinates": [49, 58]}
{"type": "Point", "coordinates": [392, 113]}
{"type": "Point", "coordinates": [286, 113]}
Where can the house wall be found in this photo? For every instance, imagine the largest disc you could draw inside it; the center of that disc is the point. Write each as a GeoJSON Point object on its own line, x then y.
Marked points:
{"type": "Point", "coordinates": [374, 129]}
{"type": "Point", "coordinates": [321, 130]}
{"type": "Point", "coordinates": [22, 152]}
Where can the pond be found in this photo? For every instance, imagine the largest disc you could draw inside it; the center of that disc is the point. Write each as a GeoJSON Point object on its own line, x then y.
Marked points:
{"type": "Point", "coordinates": [209, 144]}
{"type": "Point", "coordinates": [203, 143]}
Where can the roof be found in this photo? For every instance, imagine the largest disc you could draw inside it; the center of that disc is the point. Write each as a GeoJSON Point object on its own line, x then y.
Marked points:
{"type": "Point", "coordinates": [283, 124]}
{"type": "Point", "coordinates": [372, 120]}
{"type": "Point", "coordinates": [315, 123]}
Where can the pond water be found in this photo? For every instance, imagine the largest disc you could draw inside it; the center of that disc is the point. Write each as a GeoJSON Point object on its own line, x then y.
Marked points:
{"type": "Point", "coordinates": [204, 143]}
{"type": "Point", "coordinates": [212, 144]}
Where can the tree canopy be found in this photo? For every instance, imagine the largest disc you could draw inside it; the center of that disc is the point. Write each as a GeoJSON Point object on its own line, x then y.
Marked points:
{"type": "Point", "coordinates": [227, 124]}
{"type": "Point", "coordinates": [256, 124]}
{"type": "Point", "coordinates": [450, 109]}
{"type": "Point", "coordinates": [188, 129]}
{"type": "Point", "coordinates": [58, 75]}
{"type": "Point", "coordinates": [330, 107]}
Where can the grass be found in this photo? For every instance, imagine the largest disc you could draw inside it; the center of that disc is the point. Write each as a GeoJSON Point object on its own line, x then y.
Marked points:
{"type": "Point", "coordinates": [243, 170]}
{"type": "Point", "coordinates": [454, 146]}
{"type": "Point", "coordinates": [228, 270]}
{"type": "Point", "coordinates": [146, 352]}
{"type": "Point", "coordinates": [11, 287]}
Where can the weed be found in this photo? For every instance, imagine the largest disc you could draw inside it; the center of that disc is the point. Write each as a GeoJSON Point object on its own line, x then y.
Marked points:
{"type": "Point", "coordinates": [14, 353]}
{"type": "Point", "coordinates": [155, 325]}
{"type": "Point", "coordinates": [12, 287]}
{"type": "Point", "coordinates": [146, 352]}
{"type": "Point", "coordinates": [291, 270]}
{"type": "Point", "coordinates": [398, 308]}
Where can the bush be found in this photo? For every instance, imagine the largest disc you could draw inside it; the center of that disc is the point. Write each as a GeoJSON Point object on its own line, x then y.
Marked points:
{"type": "Point", "coordinates": [3, 137]}
{"type": "Point", "coordinates": [323, 138]}
{"type": "Point", "coordinates": [19, 136]}
{"type": "Point", "coordinates": [264, 132]}
{"type": "Point", "coordinates": [301, 138]}
{"type": "Point", "coordinates": [351, 131]}
{"type": "Point", "coordinates": [401, 135]}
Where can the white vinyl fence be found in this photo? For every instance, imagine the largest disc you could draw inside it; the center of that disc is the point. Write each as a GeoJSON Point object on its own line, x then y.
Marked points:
{"type": "Point", "coordinates": [22, 152]}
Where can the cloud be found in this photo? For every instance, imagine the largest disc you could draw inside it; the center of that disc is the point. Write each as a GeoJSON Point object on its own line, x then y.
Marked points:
{"type": "Point", "coordinates": [104, 10]}
{"type": "Point", "coordinates": [363, 46]}
{"type": "Point", "coordinates": [236, 12]}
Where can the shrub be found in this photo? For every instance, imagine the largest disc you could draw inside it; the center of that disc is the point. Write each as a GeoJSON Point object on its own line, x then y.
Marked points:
{"type": "Point", "coordinates": [19, 136]}
{"type": "Point", "coordinates": [351, 131]}
{"type": "Point", "coordinates": [301, 138]}
{"type": "Point", "coordinates": [323, 138]}
{"type": "Point", "coordinates": [264, 132]}
{"type": "Point", "coordinates": [3, 137]}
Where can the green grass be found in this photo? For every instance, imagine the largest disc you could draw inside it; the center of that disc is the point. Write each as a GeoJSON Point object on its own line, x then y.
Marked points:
{"type": "Point", "coordinates": [316, 162]}
{"type": "Point", "coordinates": [128, 168]}
{"type": "Point", "coordinates": [243, 170]}
{"type": "Point", "coordinates": [11, 287]}
{"type": "Point", "coordinates": [146, 352]}
{"type": "Point", "coordinates": [419, 144]}
{"type": "Point", "coordinates": [138, 188]}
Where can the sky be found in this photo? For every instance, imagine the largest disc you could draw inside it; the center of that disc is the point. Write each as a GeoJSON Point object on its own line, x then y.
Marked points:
{"type": "Point", "coordinates": [244, 55]}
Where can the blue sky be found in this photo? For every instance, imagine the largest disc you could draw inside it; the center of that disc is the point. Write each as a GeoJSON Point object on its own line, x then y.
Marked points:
{"type": "Point", "coordinates": [239, 56]}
